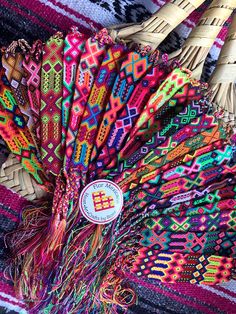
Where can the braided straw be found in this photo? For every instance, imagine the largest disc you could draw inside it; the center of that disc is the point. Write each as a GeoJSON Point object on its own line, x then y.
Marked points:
{"type": "Point", "coordinates": [154, 30]}
{"type": "Point", "coordinates": [198, 44]}
{"type": "Point", "coordinates": [14, 177]}
{"type": "Point", "coordinates": [223, 79]}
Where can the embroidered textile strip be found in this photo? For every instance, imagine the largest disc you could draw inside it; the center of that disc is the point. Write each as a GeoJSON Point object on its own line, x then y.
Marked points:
{"type": "Point", "coordinates": [50, 107]}
{"type": "Point", "coordinates": [223, 220]}
{"type": "Point", "coordinates": [32, 65]}
{"type": "Point", "coordinates": [14, 71]}
{"type": "Point", "coordinates": [215, 242]}
{"type": "Point", "coordinates": [176, 267]}
{"type": "Point", "coordinates": [73, 48]}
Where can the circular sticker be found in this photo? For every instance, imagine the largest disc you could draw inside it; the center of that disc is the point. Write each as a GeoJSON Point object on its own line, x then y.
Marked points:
{"type": "Point", "coordinates": [101, 201]}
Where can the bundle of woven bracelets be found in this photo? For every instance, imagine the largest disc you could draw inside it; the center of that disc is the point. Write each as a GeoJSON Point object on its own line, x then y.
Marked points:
{"type": "Point", "coordinates": [123, 161]}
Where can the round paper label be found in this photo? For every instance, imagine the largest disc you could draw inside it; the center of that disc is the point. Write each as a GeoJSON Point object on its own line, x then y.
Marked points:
{"type": "Point", "coordinates": [101, 201]}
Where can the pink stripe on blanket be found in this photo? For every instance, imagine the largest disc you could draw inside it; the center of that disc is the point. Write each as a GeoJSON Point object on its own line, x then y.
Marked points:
{"type": "Point", "coordinates": [12, 200]}
{"type": "Point", "coordinates": [8, 215]}
{"type": "Point", "coordinates": [206, 296]}
{"type": "Point", "coordinates": [9, 300]}
{"type": "Point", "coordinates": [53, 19]}
{"type": "Point", "coordinates": [177, 297]}
{"type": "Point", "coordinates": [7, 293]}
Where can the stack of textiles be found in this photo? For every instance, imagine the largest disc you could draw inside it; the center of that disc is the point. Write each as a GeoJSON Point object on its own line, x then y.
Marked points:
{"type": "Point", "coordinates": [127, 173]}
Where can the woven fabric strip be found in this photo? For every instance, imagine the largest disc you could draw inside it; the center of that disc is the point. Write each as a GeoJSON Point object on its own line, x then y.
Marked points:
{"type": "Point", "coordinates": [223, 220]}
{"type": "Point", "coordinates": [174, 189]}
{"type": "Point", "coordinates": [200, 160]}
{"type": "Point", "coordinates": [87, 130]}
{"type": "Point", "coordinates": [32, 65]}
{"type": "Point", "coordinates": [154, 196]}
{"type": "Point", "coordinates": [176, 267]}
{"type": "Point", "coordinates": [206, 195]}
{"type": "Point", "coordinates": [205, 208]}
{"type": "Point", "coordinates": [73, 48]}
{"type": "Point", "coordinates": [14, 71]}
{"type": "Point", "coordinates": [217, 242]}
{"type": "Point", "coordinates": [50, 106]}
{"type": "Point", "coordinates": [175, 81]}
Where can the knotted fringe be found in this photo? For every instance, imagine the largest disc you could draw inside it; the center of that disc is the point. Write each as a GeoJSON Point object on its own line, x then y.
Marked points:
{"type": "Point", "coordinates": [80, 272]}
{"type": "Point", "coordinates": [20, 43]}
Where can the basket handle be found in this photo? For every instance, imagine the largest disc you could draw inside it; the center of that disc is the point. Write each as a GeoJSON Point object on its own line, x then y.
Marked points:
{"type": "Point", "coordinates": [225, 71]}
{"type": "Point", "coordinates": [222, 81]}
{"type": "Point", "coordinates": [155, 29]}
{"type": "Point", "coordinates": [197, 46]}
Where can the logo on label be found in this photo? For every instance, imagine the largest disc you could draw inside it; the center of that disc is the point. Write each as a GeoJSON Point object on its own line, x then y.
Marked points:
{"type": "Point", "coordinates": [101, 201]}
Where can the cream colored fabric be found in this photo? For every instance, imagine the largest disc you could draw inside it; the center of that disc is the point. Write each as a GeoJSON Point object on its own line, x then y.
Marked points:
{"type": "Point", "coordinates": [153, 31]}
{"type": "Point", "coordinates": [224, 73]}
